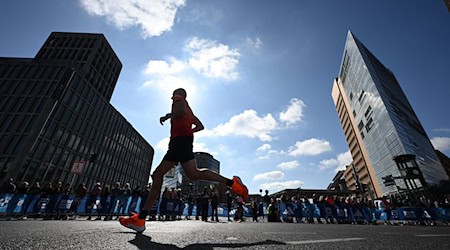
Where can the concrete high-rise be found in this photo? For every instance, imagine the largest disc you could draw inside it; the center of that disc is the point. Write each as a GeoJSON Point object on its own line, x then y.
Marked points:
{"type": "Point", "coordinates": [379, 122]}
{"type": "Point", "coordinates": [55, 110]}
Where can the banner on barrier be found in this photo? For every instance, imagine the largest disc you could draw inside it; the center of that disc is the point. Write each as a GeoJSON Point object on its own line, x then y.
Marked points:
{"type": "Point", "coordinates": [16, 204]}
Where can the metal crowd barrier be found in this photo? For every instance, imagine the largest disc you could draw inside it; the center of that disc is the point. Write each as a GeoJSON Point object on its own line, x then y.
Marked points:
{"type": "Point", "coordinates": [20, 204]}
{"type": "Point", "coordinates": [347, 213]}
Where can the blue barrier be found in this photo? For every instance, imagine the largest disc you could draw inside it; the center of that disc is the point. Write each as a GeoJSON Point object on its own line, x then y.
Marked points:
{"type": "Point", "coordinates": [122, 205]}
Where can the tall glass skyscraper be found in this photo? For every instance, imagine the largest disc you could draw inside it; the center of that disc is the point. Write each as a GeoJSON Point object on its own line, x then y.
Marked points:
{"type": "Point", "coordinates": [55, 111]}
{"type": "Point", "coordinates": [378, 121]}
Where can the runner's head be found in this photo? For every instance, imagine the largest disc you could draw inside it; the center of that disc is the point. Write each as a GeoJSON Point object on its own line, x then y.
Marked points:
{"type": "Point", "coordinates": [180, 92]}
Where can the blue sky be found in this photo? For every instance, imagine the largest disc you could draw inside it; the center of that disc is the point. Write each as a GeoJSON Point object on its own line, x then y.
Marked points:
{"type": "Point", "coordinates": [258, 73]}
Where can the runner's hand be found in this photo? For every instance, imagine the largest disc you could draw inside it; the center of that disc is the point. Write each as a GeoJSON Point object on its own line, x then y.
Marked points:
{"type": "Point", "coordinates": [162, 119]}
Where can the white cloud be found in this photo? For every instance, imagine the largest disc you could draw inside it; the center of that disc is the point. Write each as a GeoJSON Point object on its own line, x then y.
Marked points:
{"type": "Point", "coordinates": [341, 161]}
{"type": "Point", "coordinates": [160, 67]}
{"type": "Point", "coordinates": [213, 59]}
{"type": "Point", "coordinates": [201, 147]}
{"type": "Point", "coordinates": [277, 186]}
{"type": "Point", "coordinates": [447, 130]}
{"type": "Point", "coordinates": [309, 147]}
{"type": "Point", "coordinates": [247, 124]}
{"type": "Point", "coordinates": [293, 113]}
{"type": "Point", "coordinates": [253, 43]}
{"type": "Point", "coordinates": [269, 175]}
{"type": "Point", "coordinates": [223, 150]}
{"type": "Point", "coordinates": [288, 165]}
{"type": "Point", "coordinates": [154, 17]}
{"type": "Point", "coordinates": [269, 153]}
{"type": "Point", "coordinates": [169, 83]}
{"type": "Point", "coordinates": [264, 147]}
{"type": "Point", "coordinates": [328, 164]}
{"type": "Point", "coordinates": [441, 143]}
{"type": "Point", "coordinates": [163, 145]}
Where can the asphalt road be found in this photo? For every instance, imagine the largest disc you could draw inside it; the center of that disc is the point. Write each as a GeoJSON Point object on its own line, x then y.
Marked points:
{"type": "Point", "coordinates": [82, 234]}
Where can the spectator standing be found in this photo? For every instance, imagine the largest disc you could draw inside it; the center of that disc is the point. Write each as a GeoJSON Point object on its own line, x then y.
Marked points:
{"type": "Point", "coordinates": [229, 202]}
{"type": "Point", "coordinates": [205, 204]}
{"type": "Point", "coordinates": [198, 202]}
{"type": "Point", "coordinates": [214, 205]}
{"type": "Point", "coordinates": [163, 204]}
{"type": "Point", "coordinates": [272, 211]}
{"type": "Point", "coordinates": [266, 197]}
{"type": "Point", "coordinates": [80, 193]}
{"type": "Point", "coordinates": [35, 189]}
{"type": "Point", "coordinates": [116, 202]}
{"type": "Point", "coordinates": [92, 199]}
{"type": "Point", "coordinates": [9, 187]}
{"type": "Point", "coordinates": [190, 201]}
{"type": "Point", "coordinates": [67, 189]}
{"type": "Point", "coordinates": [105, 203]}
{"type": "Point", "coordinates": [254, 206]}
{"type": "Point", "coordinates": [24, 189]}
{"type": "Point", "coordinates": [239, 215]}
{"type": "Point", "coordinates": [58, 189]}
{"type": "Point", "coordinates": [143, 196]}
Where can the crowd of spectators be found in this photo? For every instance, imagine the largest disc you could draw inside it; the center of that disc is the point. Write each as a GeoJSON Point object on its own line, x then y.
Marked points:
{"type": "Point", "coordinates": [281, 209]}
{"type": "Point", "coordinates": [277, 209]}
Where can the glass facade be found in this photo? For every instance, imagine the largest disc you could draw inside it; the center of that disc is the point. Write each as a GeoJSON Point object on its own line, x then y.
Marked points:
{"type": "Point", "coordinates": [55, 110]}
{"type": "Point", "coordinates": [385, 120]}
{"type": "Point", "coordinates": [203, 160]}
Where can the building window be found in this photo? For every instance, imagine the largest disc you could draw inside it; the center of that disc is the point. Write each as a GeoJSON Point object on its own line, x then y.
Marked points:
{"type": "Point", "coordinates": [360, 125]}
{"type": "Point", "coordinates": [369, 124]}
{"type": "Point", "coordinates": [367, 111]}
{"type": "Point", "coordinates": [361, 96]}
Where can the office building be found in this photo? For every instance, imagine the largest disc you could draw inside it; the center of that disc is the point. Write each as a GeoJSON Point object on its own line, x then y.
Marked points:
{"type": "Point", "coordinates": [379, 124]}
{"type": "Point", "coordinates": [56, 120]}
{"type": "Point", "coordinates": [338, 183]}
{"type": "Point", "coordinates": [176, 177]}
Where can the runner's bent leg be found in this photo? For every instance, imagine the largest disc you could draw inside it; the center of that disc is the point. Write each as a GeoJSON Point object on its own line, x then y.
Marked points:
{"type": "Point", "coordinates": [193, 173]}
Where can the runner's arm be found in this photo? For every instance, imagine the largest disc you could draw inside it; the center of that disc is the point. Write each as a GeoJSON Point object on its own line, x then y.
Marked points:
{"type": "Point", "coordinates": [178, 111]}
{"type": "Point", "coordinates": [197, 123]}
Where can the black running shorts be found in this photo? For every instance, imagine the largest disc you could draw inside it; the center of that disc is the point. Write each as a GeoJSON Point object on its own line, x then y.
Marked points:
{"type": "Point", "coordinates": [180, 149]}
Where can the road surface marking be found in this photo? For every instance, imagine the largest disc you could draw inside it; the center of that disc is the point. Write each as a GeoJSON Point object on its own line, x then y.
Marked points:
{"type": "Point", "coordinates": [290, 233]}
{"type": "Point", "coordinates": [432, 235]}
{"type": "Point", "coordinates": [322, 241]}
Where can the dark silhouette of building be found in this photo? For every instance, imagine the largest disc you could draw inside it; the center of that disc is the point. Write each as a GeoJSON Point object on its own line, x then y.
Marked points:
{"type": "Point", "coordinates": [338, 183]}
{"type": "Point", "coordinates": [55, 112]}
{"type": "Point", "coordinates": [445, 161]}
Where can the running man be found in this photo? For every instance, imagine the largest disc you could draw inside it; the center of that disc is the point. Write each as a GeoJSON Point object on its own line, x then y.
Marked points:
{"type": "Point", "coordinates": [183, 126]}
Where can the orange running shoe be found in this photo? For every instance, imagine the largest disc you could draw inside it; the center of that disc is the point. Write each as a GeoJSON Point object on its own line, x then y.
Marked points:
{"type": "Point", "coordinates": [133, 222]}
{"type": "Point", "coordinates": [239, 188]}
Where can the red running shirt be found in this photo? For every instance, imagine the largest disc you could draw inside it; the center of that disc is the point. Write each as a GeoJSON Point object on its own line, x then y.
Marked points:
{"type": "Point", "coordinates": [181, 126]}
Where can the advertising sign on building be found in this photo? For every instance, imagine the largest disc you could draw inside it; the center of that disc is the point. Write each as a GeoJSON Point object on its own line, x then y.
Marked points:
{"type": "Point", "coordinates": [77, 167]}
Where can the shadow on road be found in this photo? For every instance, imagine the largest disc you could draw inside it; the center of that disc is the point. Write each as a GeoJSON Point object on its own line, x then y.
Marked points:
{"type": "Point", "coordinates": [145, 242]}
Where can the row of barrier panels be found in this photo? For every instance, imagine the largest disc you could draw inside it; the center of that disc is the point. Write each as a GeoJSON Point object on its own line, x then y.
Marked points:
{"type": "Point", "coordinates": [362, 214]}
{"type": "Point", "coordinates": [124, 204]}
